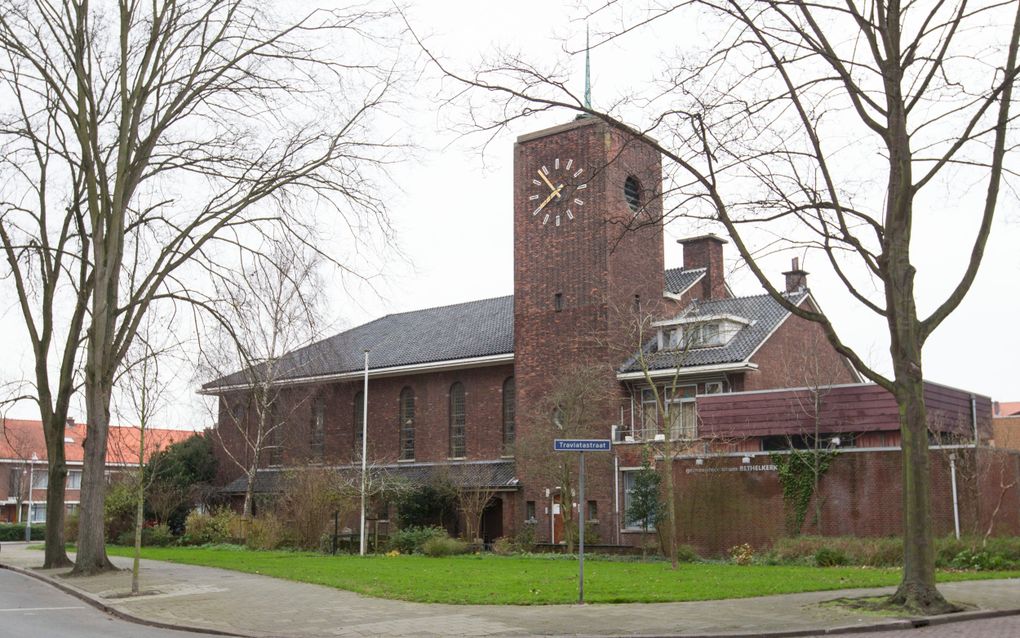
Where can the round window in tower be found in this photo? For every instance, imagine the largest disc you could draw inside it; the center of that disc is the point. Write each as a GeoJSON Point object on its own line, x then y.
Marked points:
{"type": "Point", "coordinates": [632, 192]}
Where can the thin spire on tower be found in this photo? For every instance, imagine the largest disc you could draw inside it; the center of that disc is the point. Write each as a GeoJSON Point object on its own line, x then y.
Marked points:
{"type": "Point", "coordinates": [587, 67]}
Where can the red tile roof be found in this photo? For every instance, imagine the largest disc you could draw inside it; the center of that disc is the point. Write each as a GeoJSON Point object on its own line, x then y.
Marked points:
{"type": "Point", "coordinates": [1007, 408]}
{"type": "Point", "coordinates": [19, 438]}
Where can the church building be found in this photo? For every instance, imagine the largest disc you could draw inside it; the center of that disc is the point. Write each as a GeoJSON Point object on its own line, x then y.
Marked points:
{"type": "Point", "coordinates": [598, 339]}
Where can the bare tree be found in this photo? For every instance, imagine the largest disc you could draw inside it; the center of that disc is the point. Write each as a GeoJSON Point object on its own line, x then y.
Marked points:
{"type": "Point", "coordinates": [830, 126]}
{"type": "Point", "coordinates": [144, 388]}
{"type": "Point", "coordinates": [271, 310]}
{"type": "Point", "coordinates": [472, 502]}
{"type": "Point", "coordinates": [184, 124]}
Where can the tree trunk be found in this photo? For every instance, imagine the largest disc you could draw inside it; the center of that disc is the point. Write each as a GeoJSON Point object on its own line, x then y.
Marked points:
{"type": "Point", "coordinates": [91, 558]}
{"type": "Point", "coordinates": [670, 504]}
{"type": "Point", "coordinates": [249, 493]}
{"type": "Point", "coordinates": [917, 591]}
{"type": "Point", "coordinates": [56, 552]}
{"type": "Point", "coordinates": [139, 522]}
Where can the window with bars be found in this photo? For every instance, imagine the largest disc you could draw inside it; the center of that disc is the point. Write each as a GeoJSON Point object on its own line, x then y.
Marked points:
{"type": "Point", "coordinates": [407, 424]}
{"type": "Point", "coordinates": [509, 415]}
{"type": "Point", "coordinates": [359, 423]}
{"type": "Point", "coordinates": [317, 437]}
{"type": "Point", "coordinates": [458, 421]}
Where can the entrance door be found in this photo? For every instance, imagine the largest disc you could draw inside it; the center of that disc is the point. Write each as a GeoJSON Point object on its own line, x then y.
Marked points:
{"type": "Point", "coordinates": [557, 520]}
{"type": "Point", "coordinates": [492, 521]}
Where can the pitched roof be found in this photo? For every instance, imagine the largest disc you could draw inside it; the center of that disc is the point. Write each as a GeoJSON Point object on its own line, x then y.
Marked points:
{"type": "Point", "coordinates": [472, 474]}
{"type": "Point", "coordinates": [679, 280]}
{"type": "Point", "coordinates": [461, 331]}
{"type": "Point", "coordinates": [20, 438]}
{"type": "Point", "coordinates": [763, 313]}
{"type": "Point", "coordinates": [1007, 408]}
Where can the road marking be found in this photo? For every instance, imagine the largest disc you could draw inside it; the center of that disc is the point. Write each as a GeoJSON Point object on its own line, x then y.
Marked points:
{"type": "Point", "coordinates": [39, 609]}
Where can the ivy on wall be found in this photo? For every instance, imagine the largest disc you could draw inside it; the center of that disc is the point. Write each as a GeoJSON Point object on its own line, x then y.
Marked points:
{"type": "Point", "coordinates": [797, 477]}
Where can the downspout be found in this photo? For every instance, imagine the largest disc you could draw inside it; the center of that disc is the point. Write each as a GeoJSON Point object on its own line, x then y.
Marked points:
{"type": "Point", "coordinates": [616, 497]}
{"type": "Point", "coordinates": [956, 502]}
{"type": "Point", "coordinates": [973, 419]}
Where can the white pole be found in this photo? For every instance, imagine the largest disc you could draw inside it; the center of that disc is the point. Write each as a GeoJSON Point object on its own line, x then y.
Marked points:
{"type": "Point", "coordinates": [31, 480]}
{"type": "Point", "coordinates": [956, 505]}
{"type": "Point", "coordinates": [364, 452]}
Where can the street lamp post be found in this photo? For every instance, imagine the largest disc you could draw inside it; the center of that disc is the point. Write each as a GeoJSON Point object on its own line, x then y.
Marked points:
{"type": "Point", "coordinates": [364, 453]}
{"type": "Point", "coordinates": [31, 482]}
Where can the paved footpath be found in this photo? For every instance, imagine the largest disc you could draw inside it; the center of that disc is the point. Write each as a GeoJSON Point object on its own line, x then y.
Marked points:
{"type": "Point", "coordinates": [251, 605]}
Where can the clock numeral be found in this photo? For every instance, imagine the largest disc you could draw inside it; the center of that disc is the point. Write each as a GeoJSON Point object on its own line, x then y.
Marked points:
{"type": "Point", "coordinates": [570, 163]}
{"type": "Point", "coordinates": [536, 182]}
{"type": "Point", "coordinates": [533, 198]}
{"type": "Point", "coordinates": [545, 220]}
{"type": "Point", "coordinates": [557, 220]}
{"type": "Point", "coordinates": [581, 187]}
{"type": "Point", "coordinates": [537, 211]}
{"type": "Point", "coordinates": [577, 172]}
{"type": "Point", "coordinates": [556, 164]}
{"type": "Point", "coordinates": [545, 169]}
{"type": "Point", "coordinates": [579, 202]}
{"type": "Point", "coordinates": [570, 215]}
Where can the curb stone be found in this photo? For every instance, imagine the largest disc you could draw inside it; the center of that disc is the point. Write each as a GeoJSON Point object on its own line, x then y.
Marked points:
{"type": "Point", "coordinates": [113, 611]}
{"type": "Point", "coordinates": [874, 627]}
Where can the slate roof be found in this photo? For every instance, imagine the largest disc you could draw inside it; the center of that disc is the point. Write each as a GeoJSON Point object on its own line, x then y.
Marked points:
{"type": "Point", "coordinates": [762, 311]}
{"type": "Point", "coordinates": [678, 280]}
{"type": "Point", "coordinates": [488, 474]}
{"type": "Point", "coordinates": [473, 329]}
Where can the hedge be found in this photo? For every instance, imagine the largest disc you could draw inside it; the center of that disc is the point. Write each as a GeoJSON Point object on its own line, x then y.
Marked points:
{"type": "Point", "coordinates": [16, 532]}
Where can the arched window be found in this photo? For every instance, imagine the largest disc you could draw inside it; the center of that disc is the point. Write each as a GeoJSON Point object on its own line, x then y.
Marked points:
{"type": "Point", "coordinates": [509, 414]}
{"type": "Point", "coordinates": [359, 422]}
{"type": "Point", "coordinates": [407, 424]}
{"type": "Point", "coordinates": [458, 420]}
{"type": "Point", "coordinates": [317, 429]}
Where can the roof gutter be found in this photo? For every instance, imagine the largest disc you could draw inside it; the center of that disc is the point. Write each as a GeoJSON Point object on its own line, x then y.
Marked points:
{"type": "Point", "coordinates": [392, 371]}
{"type": "Point", "coordinates": [640, 375]}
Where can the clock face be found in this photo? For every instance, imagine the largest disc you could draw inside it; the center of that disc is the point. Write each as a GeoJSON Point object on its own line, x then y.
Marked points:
{"type": "Point", "coordinates": [558, 192]}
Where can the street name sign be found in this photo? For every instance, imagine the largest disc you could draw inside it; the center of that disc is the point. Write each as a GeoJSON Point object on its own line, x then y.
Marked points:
{"type": "Point", "coordinates": [582, 445]}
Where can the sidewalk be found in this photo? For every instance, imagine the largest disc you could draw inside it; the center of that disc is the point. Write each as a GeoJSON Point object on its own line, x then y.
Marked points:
{"type": "Point", "coordinates": [252, 605]}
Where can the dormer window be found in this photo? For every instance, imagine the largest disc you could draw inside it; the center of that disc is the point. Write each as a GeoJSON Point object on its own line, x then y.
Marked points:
{"type": "Point", "coordinates": [690, 332]}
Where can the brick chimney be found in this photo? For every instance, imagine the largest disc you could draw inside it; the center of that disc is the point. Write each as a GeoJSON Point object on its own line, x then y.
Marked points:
{"type": "Point", "coordinates": [796, 279]}
{"type": "Point", "coordinates": [706, 251]}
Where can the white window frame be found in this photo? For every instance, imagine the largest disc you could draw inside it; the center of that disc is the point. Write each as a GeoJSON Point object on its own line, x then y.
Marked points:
{"type": "Point", "coordinates": [718, 385]}
{"type": "Point", "coordinates": [37, 512]}
{"type": "Point", "coordinates": [40, 478]}
{"type": "Point", "coordinates": [74, 484]}
{"type": "Point", "coordinates": [626, 486]}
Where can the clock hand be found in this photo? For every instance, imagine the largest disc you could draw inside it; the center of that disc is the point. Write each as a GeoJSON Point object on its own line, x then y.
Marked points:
{"type": "Point", "coordinates": [548, 183]}
{"type": "Point", "coordinates": [555, 193]}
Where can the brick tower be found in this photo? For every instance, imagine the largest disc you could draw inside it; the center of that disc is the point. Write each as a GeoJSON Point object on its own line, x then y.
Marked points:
{"type": "Point", "coordinates": [588, 250]}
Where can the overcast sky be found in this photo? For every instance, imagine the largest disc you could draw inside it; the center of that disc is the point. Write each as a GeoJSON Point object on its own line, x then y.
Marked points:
{"type": "Point", "coordinates": [452, 209]}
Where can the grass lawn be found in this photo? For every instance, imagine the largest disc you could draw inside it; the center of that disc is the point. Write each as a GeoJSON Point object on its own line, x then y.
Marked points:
{"type": "Point", "coordinates": [499, 580]}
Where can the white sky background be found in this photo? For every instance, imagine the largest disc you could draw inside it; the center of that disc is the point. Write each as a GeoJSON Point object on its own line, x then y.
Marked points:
{"type": "Point", "coordinates": [452, 209]}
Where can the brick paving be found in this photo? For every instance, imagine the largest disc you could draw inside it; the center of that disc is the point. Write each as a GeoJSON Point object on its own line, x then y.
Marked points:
{"type": "Point", "coordinates": [254, 605]}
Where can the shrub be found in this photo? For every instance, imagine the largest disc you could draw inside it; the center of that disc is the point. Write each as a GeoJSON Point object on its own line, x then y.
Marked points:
{"type": "Point", "coordinates": [265, 532]}
{"type": "Point", "coordinates": [503, 546]}
{"type": "Point", "coordinates": [157, 536]}
{"type": "Point", "coordinates": [412, 539]}
{"type": "Point", "coordinates": [439, 546]}
{"type": "Point", "coordinates": [309, 501]}
{"type": "Point", "coordinates": [120, 508]}
{"type": "Point", "coordinates": [828, 557]}
{"type": "Point", "coordinates": [742, 554]}
{"type": "Point", "coordinates": [16, 532]}
{"type": "Point", "coordinates": [872, 552]}
{"type": "Point", "coordinates": [71, 527]}
{"type": "Point", "coordinates": [686, 554]}
{"type": "Point", "coordinates": [431, 504]}
{"type": "Point", "coordinates": [203, 529]}
{"type": "Point", "coordinates": [525, 539]}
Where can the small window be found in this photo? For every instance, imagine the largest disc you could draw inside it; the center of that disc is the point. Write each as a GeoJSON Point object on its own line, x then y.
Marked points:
{"type": "Point", "coordinates": [558, 302]}
{"type": "Point", "coordinates": [74, 480]}
{"type": "Point", "coordinates": [38, 513]}
{"type": "Point", "coordinates": [632, 193]}
{"type": "Point", "coordinates": [593, 510]}
{"type": "Point", "coordinates": [637, 304]}
{"type": "Point", "coordinates": [713, 387]}
{"type": "Point", "coordinates": [529, 511]}
{"type": "Point", "coordinates": [458, 421]}
{"type": "Point", "coordinates": [407, 424]}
